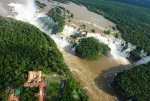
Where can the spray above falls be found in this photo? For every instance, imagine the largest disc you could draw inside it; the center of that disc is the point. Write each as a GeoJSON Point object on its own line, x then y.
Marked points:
{"type": "Point", "coordinates": [25, 12]}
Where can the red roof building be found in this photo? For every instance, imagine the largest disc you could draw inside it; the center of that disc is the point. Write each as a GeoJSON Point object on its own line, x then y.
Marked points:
{"type": "Point", "coordinates": [34, 80]}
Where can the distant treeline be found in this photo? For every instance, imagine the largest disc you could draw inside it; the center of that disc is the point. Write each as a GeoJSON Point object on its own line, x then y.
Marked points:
{"type": "Point", "coordinates": [142, 3]}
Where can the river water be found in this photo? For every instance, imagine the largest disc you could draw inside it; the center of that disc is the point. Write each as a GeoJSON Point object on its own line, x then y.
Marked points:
{"type": "Point", "coordinates": [88, 73]}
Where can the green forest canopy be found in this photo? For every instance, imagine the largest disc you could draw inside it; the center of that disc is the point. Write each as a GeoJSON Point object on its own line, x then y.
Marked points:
{"type": "Point", "coordinates": [133, 84]}
{"type": "Point", "coordinates": [142, 3]}
{"type": "Point", "coordinates": [23, 48]}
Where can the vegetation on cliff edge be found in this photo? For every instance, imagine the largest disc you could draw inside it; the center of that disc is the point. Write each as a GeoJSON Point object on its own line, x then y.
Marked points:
{"type": "Point", "coordinates": [24, 48]}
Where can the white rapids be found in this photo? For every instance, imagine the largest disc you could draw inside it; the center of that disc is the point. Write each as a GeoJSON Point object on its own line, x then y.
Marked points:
{"type": "Point", "coordinates": [27, 11]}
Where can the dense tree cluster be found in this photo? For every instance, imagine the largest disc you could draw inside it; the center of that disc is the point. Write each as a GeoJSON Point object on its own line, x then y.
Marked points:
{"type": "Point", "coordinates": [56, 15]}
{"type": "Point", "coordinates": [90, 48]}
{"type": "Point", "coordinates": [23, 48]}
{"type": "Point", "coordinates": [135, 54]}
{"type": "Point", "coordinates": [133, 84]}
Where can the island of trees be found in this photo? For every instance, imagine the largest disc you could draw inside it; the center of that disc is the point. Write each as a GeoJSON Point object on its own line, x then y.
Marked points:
{"type": "Point", "coordinates": [56, 15]}
{"type": "Point", "coordinates": [25, 48]}
{"type": "Point", "coordinates": [59, 15]}
{"type": "Point", "coordinates": [90, 48]}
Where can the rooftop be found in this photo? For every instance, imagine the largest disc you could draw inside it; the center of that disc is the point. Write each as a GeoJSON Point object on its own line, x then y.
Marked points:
{"type": "Point", "coordinates": [12, 97]}
{"type": "Point", "coordinates": [34, 76]}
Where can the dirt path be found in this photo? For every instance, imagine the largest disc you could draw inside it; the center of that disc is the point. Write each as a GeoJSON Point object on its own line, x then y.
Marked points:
{"type": "Point", "coordinates": [86, 72]}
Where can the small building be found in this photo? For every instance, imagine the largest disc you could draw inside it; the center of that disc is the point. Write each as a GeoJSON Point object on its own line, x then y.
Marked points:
{"type": "Point", "coordinates": [34, 76]}
{"type": "Point", "coordinates": [34, 80]}
{"type": "Point", "coordinates": [14, 95]}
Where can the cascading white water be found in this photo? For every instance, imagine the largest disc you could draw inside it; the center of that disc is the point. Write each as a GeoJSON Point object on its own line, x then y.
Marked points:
{"type": "Point", "coordinates": [116, 47]}
{"type": "Point", "coordinates": [26, 11]}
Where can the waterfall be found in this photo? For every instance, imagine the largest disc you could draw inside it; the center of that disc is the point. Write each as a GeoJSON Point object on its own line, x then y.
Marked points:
{"type": "Point", "coordinates": [26, 11]}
